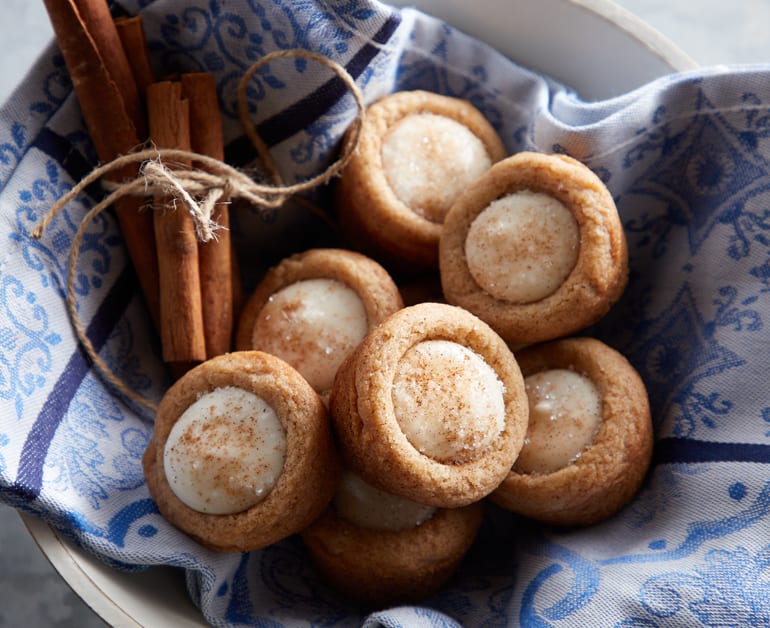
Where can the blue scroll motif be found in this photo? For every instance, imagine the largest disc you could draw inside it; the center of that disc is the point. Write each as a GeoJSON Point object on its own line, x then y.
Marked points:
{"type": "Point", "coordinates": [728, 588]}
{"type": "Point", "coordinates": [729, 582]}
{"type": "Point", "coordinates": [206, 36]}
{"type": "Point", "coordinates": [11, 151]}
{"type": "Point", "coordinates": [120, 523]}
{"type": "Point", "coordinates": [239, 606]}
{"type": "Point", "coordinates": [701, 532]}
{"type": "Point", "coordinates": [56, 87]}
{"type": "Point", "coordinates": [287, 573]}
{"type": "Point", "coordinates": [26, 337]}
{"type": "Point", "coordinates": [439, 74]}
{"type": "Point", "coordinates": [678, 349]}
{"type": "Point", "coordinates": [699, 188]}
{"type": "Point", "coordinates": [93, 420]}
{"type": "Point", "coordinates": [586, 580]}
{"type": "Point", "coordinates": [26, 343]}
{"type": "Point", "coordinates": [49, 255]}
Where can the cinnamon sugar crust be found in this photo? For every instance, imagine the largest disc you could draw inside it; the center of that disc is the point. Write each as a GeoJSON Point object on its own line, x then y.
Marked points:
{"type": "Point", "coordinates": [600, 271]}
{"type": "Point", "coordinates": [372, 440]}
{"type": "Point", "coordinates": [371, 214]}
{"type": "Point", "coordinates": [610, 471]}
{"type": "Point", "coordinates": [310, 469]}
{"type": "Point", "coordinates": [383, 567]}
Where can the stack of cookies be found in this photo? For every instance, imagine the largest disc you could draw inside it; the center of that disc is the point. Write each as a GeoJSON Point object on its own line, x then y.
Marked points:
{"type": "Point", "coordinates": [377, 430]}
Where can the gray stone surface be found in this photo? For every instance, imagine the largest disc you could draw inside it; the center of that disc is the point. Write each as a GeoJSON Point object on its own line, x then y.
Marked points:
{"type": "Point", "coordinates": [31, 592]}
{"type": "Point", "coordinates": [24, 32]}
{"type": "Point", "coordinates": [711, 31]}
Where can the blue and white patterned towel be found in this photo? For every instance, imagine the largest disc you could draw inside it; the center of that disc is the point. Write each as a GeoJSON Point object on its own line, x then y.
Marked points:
{"type": "Point", "coordinates": [688, 159]}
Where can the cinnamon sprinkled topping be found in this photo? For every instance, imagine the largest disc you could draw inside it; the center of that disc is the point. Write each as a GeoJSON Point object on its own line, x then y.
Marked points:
{"type": "Point", "coordinates": [448, 401]}
{"type": "Point", "coordinates": [225, 452]}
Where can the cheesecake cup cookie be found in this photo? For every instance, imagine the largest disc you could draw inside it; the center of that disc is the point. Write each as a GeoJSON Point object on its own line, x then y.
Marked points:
{"type": "Point", "coordinates": [379, 549]}
{"type": "Point", "coordinates": [313, 308]}
{"type": "Point", "coordinates": [431, 406]}
{"type": "Point", "coordinates": [416, 152]}
{"type": "Point", "coordinates": [534, 247]}
{"type": "Point", "coordinates": [589, 441]}
{"type": "Point", "coordinates": [241, 453]}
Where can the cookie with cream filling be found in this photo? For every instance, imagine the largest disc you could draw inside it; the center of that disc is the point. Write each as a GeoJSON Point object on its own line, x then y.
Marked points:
{"type": "Point", "coordinates": [313, 308]}
{"type": "Point", "coordinates": [416, 152]}
{"type": "Point", "coordinates": [378, 548]}
{"type": "Point", "coordinates": [241, 453]}
{"type": "Point", "coordinates": [431, 406]}
{"type": "Point", "coordinates": [534, 247]}
{"type": "Point", "coordinates": [590, 438]}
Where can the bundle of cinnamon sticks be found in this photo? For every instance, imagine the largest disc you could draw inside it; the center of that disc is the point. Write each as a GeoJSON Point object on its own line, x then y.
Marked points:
{"type": "Point", "coordinates": [191, 288]}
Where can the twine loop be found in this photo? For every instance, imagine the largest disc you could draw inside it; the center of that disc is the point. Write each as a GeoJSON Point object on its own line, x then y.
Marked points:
{"type": "Point", "coordinates": [197, 190]}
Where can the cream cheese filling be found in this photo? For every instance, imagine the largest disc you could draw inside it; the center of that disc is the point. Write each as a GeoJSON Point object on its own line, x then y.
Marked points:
{"type": "Point", "coordinates": [522, 246]}
{"type": "Point", "coordinates": [448, 401]}
{"type": "Point", "coordinates": [225, 452]}
{"type": "Point", "coordinates": [565, 413]}
{"type": "Point", "coordinates": [312, 324]}
{"type": "Point", "coordinates": [428, 159]}
{"type": "Point", "coordinates": [369, 507]}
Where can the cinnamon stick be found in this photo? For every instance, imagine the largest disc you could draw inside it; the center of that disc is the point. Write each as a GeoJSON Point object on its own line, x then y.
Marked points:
{"type": "Point", "coordinates": [106, 94]}
{"type": "Point", "coordinates": [214, 257]}
{"type": "Point", "coordinates": [181, 316]}
{"type": "Point", "coordinates": [96, 16]}
{"type": "Point", "coordinates": [134, 42]}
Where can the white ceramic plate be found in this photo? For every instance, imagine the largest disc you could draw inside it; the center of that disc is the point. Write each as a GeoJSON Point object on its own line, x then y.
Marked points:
{"type": "Point", "coordinates": [594, 46]}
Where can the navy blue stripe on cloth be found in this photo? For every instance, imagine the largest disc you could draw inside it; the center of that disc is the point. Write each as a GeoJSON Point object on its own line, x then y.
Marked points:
{"type": "Point", "coordinates": [29, 479]}
{"type": "Point", "coordinates": [68, 157]}
{"type": "Point", "coordinates": [30, 476]}
{"type": "Point", "coordinates": [304, 112]}
{"type": "Point", "coordinates": [683, 450]}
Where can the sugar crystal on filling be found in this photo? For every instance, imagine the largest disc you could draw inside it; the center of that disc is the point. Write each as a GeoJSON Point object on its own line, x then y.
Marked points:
{"type": "Point", "coordinates": [428, 159]}
{"type": "Point", "coordinates": [312, 324]}
{"type": "Point", "coordinates": [448, 401]}
{"type": "Point", "coordinates": [565, 413]}
{"type": "Point", "coordinates": [225, 452]}
{"type": "Point", "coordinates": [522, 246]}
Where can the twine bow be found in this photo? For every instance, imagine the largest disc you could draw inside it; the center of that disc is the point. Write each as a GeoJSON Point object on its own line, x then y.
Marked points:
{"type": "Point", "coordinates": [197, 189]}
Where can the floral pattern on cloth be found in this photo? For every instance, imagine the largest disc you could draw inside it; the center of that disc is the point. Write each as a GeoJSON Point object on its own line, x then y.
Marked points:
{"type": "Point", "coordinates": [687, 158]}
